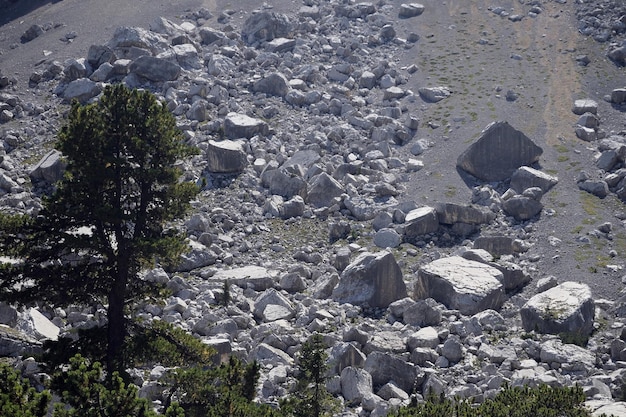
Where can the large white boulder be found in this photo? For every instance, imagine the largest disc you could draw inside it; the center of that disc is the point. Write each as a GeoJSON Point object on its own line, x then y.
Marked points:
{"type": "Point", "coordinates": [373, 279]}
{"type": "Point", "coordinates": [461, 284]}
{"type": "Point", "coordinates": [566, 308]}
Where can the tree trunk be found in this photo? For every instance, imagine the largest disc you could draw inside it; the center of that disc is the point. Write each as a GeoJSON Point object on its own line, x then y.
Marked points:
{"type": "Point", "coordinates": [117, 323]}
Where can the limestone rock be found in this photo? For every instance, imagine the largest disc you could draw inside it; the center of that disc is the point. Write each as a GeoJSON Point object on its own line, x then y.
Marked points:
{"type": "Point", "coordinates": [450, 213]}
{"type": "Point", "coordinates": [274, 84]}
{"type": "Point", "coordinates": [500, 150]}
{"type": "Point", "coordinates": [38, 326]}
{"type": "Point", "coordinates": [618, 96]}
{"type": "Point", "coordinates": [387, 238]}
{"type": "Point", "coordinates": [434, 94]}
{"type": "Point", "coordinates": [522, 207]}
{"type": "Point", "coordinates": [585, 105]}
{"type": "Point", "coordinates": [372, 279]}
{"type": "Point", "coordinates": [566, 308]}
{"type": "Point", "coordinates": [265, 26]}
{"type": "Point", "coordinates": [527, 177]}
{"type": "Point", "coordinates": [420, 221]}
{"type": "Point", "coordinates": [82, 89]}
{"type": "Point", "coordinates": [385, 367]}
{"type": "Point", "coordinates": [241, 126]}
{"type": "Point", "coordinates": [461, 284]}
{"type": "Point", "coordinates": [356, 383]}
{"type": "Point", "coordinates": [255, 277]}
{"type": "Point", "coordinates": [423, 313]}
{"type": "Point", "coordinates": [272, 305]}
{"type": "Point", "coordinates": [135, 37]}
{"type": "Point", "coordinates": [323, 190]}
{"type": "Point", "coordinates": [226, 156]}
{"type": "Point", "coordinates": [495, 245]}
{"type": "Point", "coordinates": [155, 69]}
{"type": "Point", "coordinates": [50, 168]}
{"type": "Point", "coordinates": [410, 10]}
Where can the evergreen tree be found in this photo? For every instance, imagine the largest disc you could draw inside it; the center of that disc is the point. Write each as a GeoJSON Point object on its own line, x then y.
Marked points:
{"type": "Point", "coordinates": [108, 216]}
{"type": "Point", "coordinates": [310, 398]}
{"type": "Point", "coordinates": [18, 398]}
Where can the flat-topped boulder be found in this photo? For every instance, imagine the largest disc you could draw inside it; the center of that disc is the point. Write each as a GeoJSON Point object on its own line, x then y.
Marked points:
{"type": "Point", "coordinates": [256, 277]}
{"type": "Point", "coordinates": [450, 213]}
{"type": "Point", "coordinates": [420, 221]}
{"type": "Point", "coordinates": [461, 284]}
{"type": "Point", "coordinates": [226, 156]}
{"type": "Point", "coordinates": [566, 308]}
{"type": "Point", "coordinates": [373, 279]}
{"type": "Point", "coordinates": [498, 152]}
{"type": "Point", "coordinates": [527, 177]}
{"type": "Point", "coordinates": [238, 125]}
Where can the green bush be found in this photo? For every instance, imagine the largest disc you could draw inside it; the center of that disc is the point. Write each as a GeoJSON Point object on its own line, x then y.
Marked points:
{"type": "Point", "coordinates": [18, 398]}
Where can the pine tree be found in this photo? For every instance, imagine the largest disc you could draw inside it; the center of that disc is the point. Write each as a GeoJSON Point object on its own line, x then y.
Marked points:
{"type": "Point", "coordinates": [18, 398]}
{"type": "Point", "coordinates": [109, 215]}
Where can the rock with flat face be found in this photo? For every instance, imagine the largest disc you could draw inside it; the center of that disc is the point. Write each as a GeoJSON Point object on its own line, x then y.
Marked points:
{"type": "Point", "coordinates": [450, 213]}
{"type": "Point", "coordinates": [275, 84]}
{"type": "Point", "coordinates": [272, 305]}
{"type": "Point", "coordinates": [410, 10]}
{"type": "Point", "coordinates": [420, 221]}
{"type": "Point", "coordinates": [527, 177]}
{"type": "Point", "coordinates": [373, 279]}
{"type": "Point", "coordinates": [461, 284]}
{"type": "Point", "coordinates": [265, 26]}
{"type": "Point", "coordinates": [585, 105]}
{"type": "Point", "coordinates": [238, 125]}
{"type": "Point", "coordinates": [323, 190]}
{"type": "Point", "coordinates": [226, 156]}
{"type": "Point", "coordinates": [434, 94]}
{"type": "Point", "coordinates": [155, 69]}
{"type": "Point", "coordinates": [255, 277]}
{"type": "Point", "coordinates": [50, 168]}
{"type": "Point", "coordinates": [500, 150]}
{"type": "Point", "coordinates": [385, 367]}
{"type": "Point", "coordinates": [566, 308]}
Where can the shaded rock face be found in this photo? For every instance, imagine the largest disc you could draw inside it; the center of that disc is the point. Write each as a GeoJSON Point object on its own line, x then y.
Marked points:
{"type": "Point", "coordinates": [499, 151]}
{"type": "Point", "coordinates": [461, 284]}
{"type": "Point", "coordinates": [265, 26]}
{"type": "Point", "coordinates": [226, 156]}
{"type": "Point", "coordinates": [566, 308]}
{"type": "Point", "coordinates": [373, 279]}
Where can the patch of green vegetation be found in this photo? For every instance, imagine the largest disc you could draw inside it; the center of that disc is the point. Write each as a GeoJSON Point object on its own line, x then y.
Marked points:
{"type": "Point", "coordinates": [562, 158]}
{"type": "Point", "coordinates": [450, 191]}
{"type": "Point", "coordinates": [590, 203]}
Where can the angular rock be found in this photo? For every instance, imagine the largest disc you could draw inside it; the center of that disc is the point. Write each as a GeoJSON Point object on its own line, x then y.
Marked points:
{"type": "Point", "coordinates": [385, 367]}
{"type": "Point", "coordinates": [618, 96]}
{"type": "Point", "coordinates": [241, 126]}
{"type": "Point", "coordinates": [495, 245]}
{"type": "Point", "coordinates": [498, 152]}
{"type": "Point", "coordinates": [434, 94]}
{"type": "Point", "coordinates": [346, 354]}
{"type": "Point", "coordinates": [410, 10]}
{"type": "Point", "coordinates": [255, 277]}
{"type": "Point", "coordinates": [266, 355]}
{"type": "Point", "coordinates": [572, 358]}
{"type": "Point", "coordinates": [135, 37]}
{"type": "Point", "coordinates": [82, 90]}
{"type": "Point", "coordinates": [585, 105]}
{"type": "Point", "coordinates": [450, 213]}
{"type": "Point", "coordinates": [527, 177]}
{"type": "Point", "coordinates": [38, 326]}
{"type": "Point", "coordinates": [461, 284]}
{"type": "Point", "coordinates": [598, 188]}
{"type": "Point", "coordinates": [226, 156]}
{"type": "Point", "coordinates": [419, 222]}
{"type": "Point", "coordinates": [589, 120]}
{"type": "Point", "coordinates": [274, 84]}
{"type": "Point", "coordinates": [356, 384]}
{"type": "Point", "coordinates": [586, 133]}
{"type": "Point", "coordinates": [323, 190]}
{"type": "Point", "coordinates": [426, 337]}
{"type": "Point", "coordinates": [155, 69]}
{"type": "Point", "coordinates": [272, 305]}
{"type": "Point", "coordinates": [265, 26]}
{"type": "Point", "coordinates": [423, 313]}
{"type": "Point", "coordinates": [31, 33]}
{"type": "Point", "coordinates": [387, 238]}
{"type": "Point", "coordinates": [100, 54]}
{"type": "Point", "coordinates": [567, 308]}
{"type": "Point", "coordinates": [283, 183]}
{"type": "Point", "coordinates": [373, 279]}
{"type": "Point", "coordinates": [522, 207]}
{"type": "Point", "coordinates": [50, 168]}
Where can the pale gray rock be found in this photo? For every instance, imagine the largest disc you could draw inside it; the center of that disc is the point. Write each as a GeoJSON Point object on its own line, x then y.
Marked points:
{"type": "Point", "coordinates": [585, 105]}
{"type": "Point", "coordinates": [372, 279]}
{"type": "Point", "coordinates": [283, 183]}
{"type": "Point", "coordinates": [226, 156]}
{"type": "Point", "coordinates": [387, 238]}
{"type": "Point", "coordinates": [281, 45]}
{"type": "Point", "coordinates": [523, 207]}
{"type": "Point", "coordinates": [546, 283]}
{"type": "Point", "coordinates": [424, 356]}
{"type": "Point", "coordinates": [272, 305]}
{"type": "Point", "coordinates": [31, 33]}
{"type": "Point", "coordinates": [266, 355]}
{"type": "Point", "coordinates": [365, 208]}
{"type": "Point", "coordinates": [294, 207]}
{"type": "Point", "coordinates": [434, 94]}
{"type": "Point", "coordinates": [618, 96]}
{"type": "Point", "coordinates": [410, 10]}
{"type": "Point", "coordinates": [50, 168]}
{"type": "Point", "coordinates": [527, 177]}
{"type": "Point", "coordinates": [607, 160]}
{"type": "Point", "coordinates": [606, 407]}
{"type": "Point", "coordinates": [567, 308]}
{"type": "Point", "coordinates": [498, 152]}
{"type": "Point", "coordinates": [15, 343]}
{"type": "Point", "coordinates": [450, 213]}
{"type": "Point", "coordinates": [238, 125]}
{"type": "Point", "coordinates": [513, 276]}
{"type": "Point", "coordinates": [166, 27]}
{"type": "Point", "coordinates": [461, 284]}
{"type": "Point", "coordinates": [209, 35]}
{"type": "Point", "coordinates": [386, 367]}
{"type": "Point", "coordinates": [426, 337]}
{"type": "Point", "coordinates": [571, 357]}
{"type": "Point", "coordinates": [155, 69]}
{"type": "Point", "coordinates": [599, 188]}
{"type": "Point", "coordinates": [345, 354]}
{"type": "Point", "coordinates": [453, 349]}
{"type": "Point", "coordinates": [586, 133]}
{"type": "Point", "coordinates": [495, 245]}
{"type": "Point", "coordinates": [185, 55]}
{"type": "Point", "coordinates": [198, 256]}
{"type": "Point", "coordinates": [423, 313]}
{"type": "Point", "coordinates": [385, 341]}
{"type": "Point", "coordinates": [589, 120]}
{"type": "Point", "coordinates": [35, 324]}
{"type": "Point", "coordinates": [356, 383]}
{"type": "Point", "coordinates": [274, 84]}
{"type": "Point", "coordinates": [126, 38]}
{"type": "Point", "coordinates": [478, 255]}
{"type": "Point", "coordinates": [255, 277]}
{"type": "Point", "coordinates": [82, 89]}
{"type": "Point", "coordinates": [265, 26]}
{"type": "Point", "coordinates": [420, 221]}
{"type": "Point", "coordinates": [100, 54]}
{"type": "Point", "coordinates": [323, 190]}
{"type": "Point", "coordinates": [391, 390]}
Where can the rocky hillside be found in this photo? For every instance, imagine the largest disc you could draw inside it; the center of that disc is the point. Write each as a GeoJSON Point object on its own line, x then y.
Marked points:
{"type": "Point", "coordinates": [437, 188]}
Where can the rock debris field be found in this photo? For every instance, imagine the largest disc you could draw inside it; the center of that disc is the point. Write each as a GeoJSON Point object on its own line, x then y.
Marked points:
{"type": "Point", "coordinates": [436, 188]}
